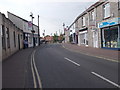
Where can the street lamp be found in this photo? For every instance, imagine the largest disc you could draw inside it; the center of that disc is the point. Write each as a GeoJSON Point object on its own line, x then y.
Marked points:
{"type": "Point", "coordinates": [64, 31]}
{"type": "Point", "coordinates": [38, 32]}
{"type": "Point", "coordinates": [33, 31]}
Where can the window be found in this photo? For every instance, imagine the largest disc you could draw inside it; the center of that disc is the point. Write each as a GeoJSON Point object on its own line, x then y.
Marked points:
{"type": "Point", "coordinates": [106, 10]}
{"type": "Point", "coordinates": [8, 37]}
{"type": "Point", "coordinates": [3, 37]}
{"type": "Point", "coordinates": [82, 37]}
{"type": "Point", "coordinates": [119, 3]}
{"type": "Point", "coordinates": [92, 16]}
{"type": "Point", "coordinates": [110, 37]}
{"type": "Point", "coordinates": [83, 21]}
{"type": "Point", "coordinates": [14, 39]}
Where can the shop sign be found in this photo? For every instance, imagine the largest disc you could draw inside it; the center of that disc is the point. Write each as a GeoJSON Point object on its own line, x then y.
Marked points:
{"type": "Point", "coordinates": [110, 22]}
{"type": "Point", "coordinates": [29, 25]}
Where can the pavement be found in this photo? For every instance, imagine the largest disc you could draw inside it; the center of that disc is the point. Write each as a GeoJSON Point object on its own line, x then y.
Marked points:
{"type": "Point", "coordinates": [106, 54]}
{"type": "Point", "coordinates": [14, 69]}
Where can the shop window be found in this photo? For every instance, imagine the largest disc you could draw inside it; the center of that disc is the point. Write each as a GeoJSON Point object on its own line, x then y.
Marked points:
{"type": "Point", "coordinates": [106, 10]}
{"type": "Point", "coordinates": [114, 37]}
{"type": "Point", "coordinates": [110, 37]}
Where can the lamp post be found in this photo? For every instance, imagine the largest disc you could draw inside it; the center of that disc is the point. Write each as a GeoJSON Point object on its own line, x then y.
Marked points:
{"type": "Point", "coordinates": [38, 32]}
{"type": "Point", "coordinates": [64, 31]}
{"type": "Point", "coordinates": [33, 31]}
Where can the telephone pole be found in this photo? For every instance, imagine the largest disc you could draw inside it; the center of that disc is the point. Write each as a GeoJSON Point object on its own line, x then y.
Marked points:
{"type": "Point", "coordinates": [38, 32]}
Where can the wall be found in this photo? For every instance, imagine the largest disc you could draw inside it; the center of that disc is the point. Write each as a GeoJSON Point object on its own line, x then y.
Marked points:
{"type": "Point", "coordinates": [13, 45]}
{"type": "Point", "coordinates": [67, 34]}
{"type": "Point", "coordinates": [98, 9]}
{"type": "Point", "coordinates": [23, 24]}
{"type": "Point", "coordinates": [0, 38]}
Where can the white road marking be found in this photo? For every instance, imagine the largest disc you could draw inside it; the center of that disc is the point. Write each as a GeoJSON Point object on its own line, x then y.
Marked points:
{"type": "Point", "coordinates": [106, 79]}
{"type": "Point", "coordinates": [38, 76]}
{"type": "Point", "coordinates": [33, 73]}
{"type": "Point", "coordinates": [63, 46]}
{"type": "Point", "coordinates": [72, 61]}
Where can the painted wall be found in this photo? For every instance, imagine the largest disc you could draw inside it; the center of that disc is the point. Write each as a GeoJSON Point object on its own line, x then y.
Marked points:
{"type": "Point", "coordinates": [23, 24]}
{"type": "Point", "coordinates": [14, 44]}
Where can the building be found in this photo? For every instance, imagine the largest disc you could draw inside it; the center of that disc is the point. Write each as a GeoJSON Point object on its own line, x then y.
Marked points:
{"type": "Point", "coordinates": [67, 34]}
{"type": "Point", "coordinates": [99, 25]}
{"type": "Point", "coordinates": [109, 25]}
{"type": "Point", "coordinates": [11, 37]}
{"type": "Point", "coordinates": [73, 35]}
{"type": "Point", "coordinates": [26, 26]}
{"type": "Point", "coordinates": [49, 38]}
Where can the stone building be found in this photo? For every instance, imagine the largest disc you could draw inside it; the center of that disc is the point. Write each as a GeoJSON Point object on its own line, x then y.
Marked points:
{"type": "Point", "coordinates": [11, 37]}
{"type": "Point", "coordinates": [24, 25]}
{"type": "Point", "coordinates": [99, 25]}
{"type": "Point", "coordinates": [109, 25]}
{"type": "Point", "coordinates": [67, 34]}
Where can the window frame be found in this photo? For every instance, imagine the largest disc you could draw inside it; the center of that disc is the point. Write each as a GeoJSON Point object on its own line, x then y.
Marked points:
{"type": "Point", "coordinates": [8, 37]}
{"type": "Point", "coordinates": [105, 10]}
{"type": "Point", "coordinates": [119, 4]}
{"type": "Point", "coordinates": [3, 37]}
{"type": "Point", "coordinates": [83, 21]}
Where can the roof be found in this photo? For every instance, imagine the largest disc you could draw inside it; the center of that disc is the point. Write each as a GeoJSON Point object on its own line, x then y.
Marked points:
{"type": "Point", "coordinates": [19, 17]}
{"type": "Point", "coordinates": [89, 9]}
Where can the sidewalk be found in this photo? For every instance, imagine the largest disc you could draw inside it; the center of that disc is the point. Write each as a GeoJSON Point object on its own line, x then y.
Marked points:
{"type": "Point", "coordinates": [14, 69]}
{"type": "Point", "coordinates": [96, 52]}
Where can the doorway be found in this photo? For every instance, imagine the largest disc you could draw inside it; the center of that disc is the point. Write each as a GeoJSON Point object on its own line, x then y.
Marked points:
{"type": "Point", "coordinates": [95, 39]}
{"type": "Point", "coordinates": [18, 41]}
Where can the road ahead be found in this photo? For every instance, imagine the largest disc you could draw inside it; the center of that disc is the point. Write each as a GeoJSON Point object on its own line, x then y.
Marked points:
{"type": "Point", "coordinates": [52, 66]}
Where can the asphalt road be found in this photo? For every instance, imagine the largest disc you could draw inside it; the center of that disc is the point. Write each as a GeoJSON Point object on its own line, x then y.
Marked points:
{"type": "Point", "coordinates": [52, 66]}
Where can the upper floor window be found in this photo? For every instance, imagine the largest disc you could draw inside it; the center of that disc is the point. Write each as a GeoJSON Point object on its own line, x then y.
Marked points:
{"type": "Point", "coordinates": [83, 21]}
{"type": "Point", "coordinates": [106, 10]}
{"type": "Point", "coordinates": [119, 3]}
{"type": "Point", "coordinates": [92, 16]}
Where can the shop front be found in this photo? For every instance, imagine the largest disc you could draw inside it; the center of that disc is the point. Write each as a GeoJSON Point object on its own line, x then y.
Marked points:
{"type": "Point", "coordinates": [110, 34]}
{"type": "Point", "coordinates": [83, 37]}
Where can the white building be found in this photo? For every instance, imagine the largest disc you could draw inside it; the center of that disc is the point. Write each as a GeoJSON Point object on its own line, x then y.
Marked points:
{"type": "Point", "coordinates": [23, 24]}
{"type": "Point", "coordinates": [11, 37]}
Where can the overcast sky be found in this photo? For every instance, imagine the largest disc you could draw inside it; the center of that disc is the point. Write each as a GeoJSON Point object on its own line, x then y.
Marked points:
{"type": "Point", "coordinates": [52, 12]}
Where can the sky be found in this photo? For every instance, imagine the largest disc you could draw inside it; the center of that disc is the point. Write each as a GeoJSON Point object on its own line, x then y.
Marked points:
{"type": "Point", "coordinates": [53, 13]}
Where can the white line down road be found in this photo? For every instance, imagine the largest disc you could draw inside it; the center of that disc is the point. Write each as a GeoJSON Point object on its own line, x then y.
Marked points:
{"type": "Point", "coordinates": [72, 61]}
{"type": "Point", "coordinates": [35, 72]}
{"type": "Point", "coordinates": [105, 79]}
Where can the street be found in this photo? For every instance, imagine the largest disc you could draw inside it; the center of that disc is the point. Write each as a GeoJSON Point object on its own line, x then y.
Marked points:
{"type": "Point", "coordinates": [52, 66]}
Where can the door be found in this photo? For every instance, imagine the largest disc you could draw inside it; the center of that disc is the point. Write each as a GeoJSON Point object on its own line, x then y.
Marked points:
{"type": "Point", "coordinates": [18, 41]}
{"type": "Point", "coordinates": [95, 39]}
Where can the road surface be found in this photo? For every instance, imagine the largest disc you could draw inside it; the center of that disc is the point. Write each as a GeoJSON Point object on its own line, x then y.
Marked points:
{"type": "Point", "coordinates": [52, 66]}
